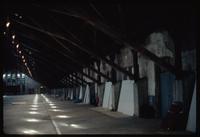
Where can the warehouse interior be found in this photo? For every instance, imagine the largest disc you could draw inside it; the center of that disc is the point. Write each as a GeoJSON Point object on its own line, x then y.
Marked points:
{"type": "Point", "coordinates": [128, 66]}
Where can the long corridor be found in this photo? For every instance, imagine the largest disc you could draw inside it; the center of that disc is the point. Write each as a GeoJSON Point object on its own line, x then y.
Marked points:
{"type": "Point", "coordinates": [42, 114]}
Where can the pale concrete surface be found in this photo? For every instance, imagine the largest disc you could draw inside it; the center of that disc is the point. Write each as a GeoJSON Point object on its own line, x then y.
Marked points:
{"type": "Point", "coordinates": [69, 118]}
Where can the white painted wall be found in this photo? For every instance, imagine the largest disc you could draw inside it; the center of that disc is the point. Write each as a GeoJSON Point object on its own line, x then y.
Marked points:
{"type": "Point", "coordinates": [126, 99]}
{"type": "Point", "coordinates": [108, 97]}
{"type": "Point", "coordinates": [156, 45]}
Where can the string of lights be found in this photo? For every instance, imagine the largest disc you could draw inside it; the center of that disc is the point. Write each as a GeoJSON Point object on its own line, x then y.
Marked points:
{"type": "Point", "coordinates": [18, 49]}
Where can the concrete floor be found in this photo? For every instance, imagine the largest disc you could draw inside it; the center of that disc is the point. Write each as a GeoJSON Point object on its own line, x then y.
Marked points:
{"type": "Point", "coordinates": [42, 114]}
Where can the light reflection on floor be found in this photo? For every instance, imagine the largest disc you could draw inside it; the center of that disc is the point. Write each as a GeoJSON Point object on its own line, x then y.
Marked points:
{"type": "Point", "coordinates": [63, 116]}
{"type": "Point", "coordinates": [33, 112]}
{"type": "Point", "coordinates": [72, 125]}
{"type": "Point", "coordinates": [56, 110]}
{"type": "Point", "coordinates": [30, 131]}
{"type": "Point", "coordinates": [54, 107]}
{"type": "Point", "coordinates": [32, 120]}
{"type": "Point", "coordinates": [34, 106]}
{"type": "Point", "coordinates": [33, 109]}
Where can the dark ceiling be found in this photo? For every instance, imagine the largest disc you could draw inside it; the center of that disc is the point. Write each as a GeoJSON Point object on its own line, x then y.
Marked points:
{"type": "Point", "coordinates": [49, 35]}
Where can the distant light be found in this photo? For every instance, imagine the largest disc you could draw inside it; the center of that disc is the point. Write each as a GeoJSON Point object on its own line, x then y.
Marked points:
{"type": "Point", "coordinates": [13, 42]}
{"type": "Point", "coordinates": [16, 14]}
{"type": "Point", "coordinates": [23, 75]}
{"type": "Point", "coordinates": [4, 33]}
{"type": "Point", "coordinates": [24, 60]}
{"type": "Point", "coordinates": [17, 46]}
{"type": "Point", "coordinates": [22, 57]}
{"type": "Point", "coordinates": [20, 52]}
{"type": "Point", "coordinates": [7, 24]}
{"type": "Point", "coordinates": [13, 36]}
{"type": "Point", "coordinates": [20, 17]}
{"type": "Point", "coordinates": [18, 75]}
{"type": "Point", "coordinates": [25, 64]}
{"type": "Point", "coordinates": [9, 75]}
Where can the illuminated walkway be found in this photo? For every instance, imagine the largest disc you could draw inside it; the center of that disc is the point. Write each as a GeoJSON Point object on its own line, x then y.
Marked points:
{"type": "Point", "coordinates": [41, 114]}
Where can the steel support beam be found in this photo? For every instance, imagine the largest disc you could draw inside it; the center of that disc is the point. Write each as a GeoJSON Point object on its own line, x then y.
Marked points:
{"type": "Point", "coordinates": [81, 47]}
{"type": "Point", "coordinates": [178, 62]}
{"type": "Point", "coordinates": [80, 64]}
{"type": "Point", "coordinates": [98, 66]}
{"type": "Point", "coordinates": [80, 78]}
{"type": "Point", "coordinates": [135, 65]}
{"type": "Point", "coordinates": [74, 82]}
{"type": "Point", "coordinates": [117, 38]}
{"type": "Point", "coordinates": [68, 68]}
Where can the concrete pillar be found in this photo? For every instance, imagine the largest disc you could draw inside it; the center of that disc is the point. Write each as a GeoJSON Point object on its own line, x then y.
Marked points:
{"type": "Point", "coordinates": [151, 76]}
{"type": "Point", "coordinates": [128, 93]}
{"type": "Point", "coordinates": [71, 95]}
{"type": "Point", "coordinates": [68, 93]}
{"type": "Point", "coordinates": [178, 91]}
{"type": "Point", "coordinates": [87, 95]}
{"type": "Point", "coordinates": [108, 96]}
{"type": "Point", "coordinates": [81, 93]}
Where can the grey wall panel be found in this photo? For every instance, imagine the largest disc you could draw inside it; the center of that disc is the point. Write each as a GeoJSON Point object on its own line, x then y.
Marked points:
{"type": "Point", "coordinates": [191, 124]}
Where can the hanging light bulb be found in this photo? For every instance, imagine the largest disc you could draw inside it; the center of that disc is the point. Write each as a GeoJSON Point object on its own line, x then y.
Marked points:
{"type": "Point", "coordinates": [22, 57]}
{"type": "Point", "coordinates": [16, 14]}
{"type": "Point", "coordinates": [20, 52]}
{"type": "Point", "coordinates": [17, 46]}
{"type": "Point", "coordinates": [25, 64]}
{"type": "Point", "coordinates": [24, 60]}
{"type": "Point", "coordinates": [7, 24]}
{"type": "Point", "coordinates": [13, 36]}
